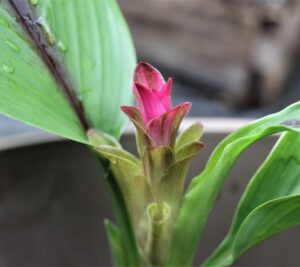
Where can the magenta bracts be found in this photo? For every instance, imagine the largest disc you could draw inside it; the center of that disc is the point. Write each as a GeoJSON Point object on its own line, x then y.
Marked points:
{"type": "Point", "coordinates": [153, 96]}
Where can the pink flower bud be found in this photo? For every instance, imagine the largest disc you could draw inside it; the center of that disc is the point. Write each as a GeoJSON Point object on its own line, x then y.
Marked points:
{"type": "Point", "coordinates": [153, 96]}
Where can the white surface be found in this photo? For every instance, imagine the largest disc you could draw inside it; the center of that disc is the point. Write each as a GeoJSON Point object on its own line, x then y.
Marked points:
{"type": "Point", "coordinates": [31, 136]}
{"type": "Point", "coordinates": [211, 125]}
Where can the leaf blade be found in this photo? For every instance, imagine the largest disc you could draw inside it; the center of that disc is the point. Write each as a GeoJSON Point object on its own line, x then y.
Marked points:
{"type": "Point", "coordinates": [282, 211]}
{"type": "Point", "coordinates": [116, 244]}
{"type": "Point", "coordinates": [99, 55]}
{"type": "Point", "coordinates": [26, 88]}
{"type": "Point", "coordinates": [204, 189]}
{"type": "Point", "coordinates": [275, 187]}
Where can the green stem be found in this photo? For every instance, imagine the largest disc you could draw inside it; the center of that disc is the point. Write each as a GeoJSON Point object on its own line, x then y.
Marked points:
{"type": "Point", "coordinates": [121, 215]}
{"type": "Point", "coordinates": [157, 244]}
{"type": "Point", "coordinates": [159, 214]}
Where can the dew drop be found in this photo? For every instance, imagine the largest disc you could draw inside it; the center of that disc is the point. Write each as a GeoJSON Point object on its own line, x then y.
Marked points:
{"type": "Point", "coordinates": [46, 28]}
{"type": "Point", "coordinates": [8, 68]}
{"type": "Point", "coordinates": [34, 2]}
{"type": "Point", "coordinates": [13, 46]}
{"type": "Point", "coordinates": [62, 47]}
{"type": "Point", "coordinates": [86, 91]}
{"type": "Point", "coordinates": [3, 22]}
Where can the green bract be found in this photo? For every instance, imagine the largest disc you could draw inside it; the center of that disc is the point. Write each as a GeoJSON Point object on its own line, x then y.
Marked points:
{"type": "Point", "coordinates": [152, 188]}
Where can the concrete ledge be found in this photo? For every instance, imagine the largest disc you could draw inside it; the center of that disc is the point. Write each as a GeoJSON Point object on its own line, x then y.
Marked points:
{"type": "Point", "coordinates": [35, 136]}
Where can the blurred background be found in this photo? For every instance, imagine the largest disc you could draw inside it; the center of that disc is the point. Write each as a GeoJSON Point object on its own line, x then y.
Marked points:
{"type": "Point", "coordinates": [231, 58]}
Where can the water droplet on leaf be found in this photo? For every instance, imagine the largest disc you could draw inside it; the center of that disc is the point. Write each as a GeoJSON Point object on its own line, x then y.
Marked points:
{"type": "Point", "coordinates": [34, 2]}
{"type": "Point", "coordinates": [46, 28]}
{"type": "Point", "coordinates": [86, 90]}
{"type": "Point", "coordinates": [8, 68]}
{"type": "Point", "coordinates": [62, 47]}
{"type": "Point", "coordinates": [13, 46]}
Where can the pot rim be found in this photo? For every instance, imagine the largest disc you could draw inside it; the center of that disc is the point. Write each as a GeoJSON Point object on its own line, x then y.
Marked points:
{"type": "Point", "coordinates": [212, 125]}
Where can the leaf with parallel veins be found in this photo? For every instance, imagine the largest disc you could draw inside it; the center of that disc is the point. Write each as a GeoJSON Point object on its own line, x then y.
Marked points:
{"type": "Point", "coordinates": [44, 73]}
{"type": "Point", "coordinates": [96, 47]}
{"type": "Point", "coordinates": [269, 205]}
{"type": "Point", "coordinates": [28, 92]}
{"type": "Point", "coordinates": [204, 189]}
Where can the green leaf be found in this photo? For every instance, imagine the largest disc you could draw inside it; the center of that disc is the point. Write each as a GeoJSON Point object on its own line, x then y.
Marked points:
{"type": "Point", "coordinates": [269, 205]}
{"type": "Point", "coordinates": [267, 220]}
{"type": "Point", "coordinates": [190, 135]}
{"type": "Point", "coordinates": [94, 43]}
{"type": "Point", "coordinates": [27, 91]}
{"type": "Point", "coordinates": [96, 46]}
{"type": "Point", "coordinates": [204, 189]}
{"type": "Point", "coordinates": [116, 244]}
{"type": "Point", "coordinates": [121, 214]}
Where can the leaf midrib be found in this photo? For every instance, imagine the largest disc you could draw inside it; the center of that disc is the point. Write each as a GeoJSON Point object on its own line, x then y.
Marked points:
{"type": "Point", "coordinates": [27, 19]}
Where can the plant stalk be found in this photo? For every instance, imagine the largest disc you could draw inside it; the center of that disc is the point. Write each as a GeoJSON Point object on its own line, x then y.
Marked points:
{"type": "Point", "coordinates": [121, 214]}
{"type": "Point", "coordinates": [159, 214]}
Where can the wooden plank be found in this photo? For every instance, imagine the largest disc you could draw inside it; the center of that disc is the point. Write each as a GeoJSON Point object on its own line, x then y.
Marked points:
{"type": "Point", "coordinates": [238, 46]}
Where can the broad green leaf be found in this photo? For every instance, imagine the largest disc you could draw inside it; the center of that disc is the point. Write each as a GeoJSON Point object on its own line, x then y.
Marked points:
{"type": "Point", "coordinates": [97, 49]}
{"type": "Point", "coordinates": [204, 189]}
{"type": "Point", "coordinates": [263, 222]}
{"type": "Point", "coordinates": [116, 244]}
{"type": "Point", "coordinates": [27, 91]}
{"type": "Point", "coordinates": [269, 205]}
{"type": "Point", "coordinates": [267, 220]}
{"type": "Point", "coordinates": [277, 177]}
